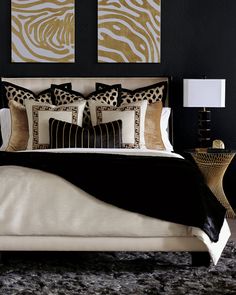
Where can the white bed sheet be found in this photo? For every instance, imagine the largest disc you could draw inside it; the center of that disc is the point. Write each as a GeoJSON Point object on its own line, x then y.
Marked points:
{"type": "Point", "coordinates": [5, 124]}
{"type": "Point", "coordinates": [122, 151]}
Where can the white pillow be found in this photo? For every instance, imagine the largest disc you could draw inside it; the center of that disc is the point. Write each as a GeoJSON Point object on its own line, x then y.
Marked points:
{"type": "Point", "coordinates": [164, 124]}
{"type": "Point", "coordinates": [132, 116]}
{"type": "Point", "coordinates": [38, 119]}
{"type": "Point", "coordinates": [5, 123]}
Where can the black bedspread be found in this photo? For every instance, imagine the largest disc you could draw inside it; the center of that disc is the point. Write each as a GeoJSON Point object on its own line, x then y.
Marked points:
{"type": "Point", "coordinates": [167, 188]}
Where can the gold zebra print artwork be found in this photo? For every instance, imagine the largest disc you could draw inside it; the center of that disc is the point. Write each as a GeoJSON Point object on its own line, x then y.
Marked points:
{"type": "Point", "coordinates": [42, 30]}
{"type": "Point", "coordinates": [129, 31]}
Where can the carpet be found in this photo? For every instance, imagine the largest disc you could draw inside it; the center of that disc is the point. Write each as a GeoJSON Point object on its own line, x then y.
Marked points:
{"type": "Point", "coordinates": [116, 273]}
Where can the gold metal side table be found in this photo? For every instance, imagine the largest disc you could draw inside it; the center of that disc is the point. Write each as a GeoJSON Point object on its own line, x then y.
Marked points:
{"type": "Point", "coordinates": [213, 166]}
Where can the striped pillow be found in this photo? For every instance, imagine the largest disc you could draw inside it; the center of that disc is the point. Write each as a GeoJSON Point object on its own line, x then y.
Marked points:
{"type": "Point", "coordinates": [67, 135]}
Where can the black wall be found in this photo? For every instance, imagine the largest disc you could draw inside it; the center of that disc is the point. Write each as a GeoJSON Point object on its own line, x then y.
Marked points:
{"type": "Point", "coordinates": [198, 38]}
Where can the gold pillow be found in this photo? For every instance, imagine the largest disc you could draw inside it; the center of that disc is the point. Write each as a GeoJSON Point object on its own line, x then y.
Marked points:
{"type": "Point", "coordinates": [152, 133]}
{"type": "Point", "coordinates": [19, 127]}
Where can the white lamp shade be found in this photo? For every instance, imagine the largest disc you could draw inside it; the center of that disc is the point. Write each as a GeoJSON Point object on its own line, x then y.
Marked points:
{"type": "Point", "coordinates": [204, 93]}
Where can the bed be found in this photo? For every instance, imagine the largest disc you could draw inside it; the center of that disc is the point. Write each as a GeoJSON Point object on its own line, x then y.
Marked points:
{"type": "Point", "coordinates": [93, 187]}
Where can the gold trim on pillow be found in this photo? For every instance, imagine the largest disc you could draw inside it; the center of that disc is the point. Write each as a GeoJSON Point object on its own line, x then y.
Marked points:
{"type": "Point", "coordinates": [137, 112]}
{"type": "Point", "coordinates": [35, 114]}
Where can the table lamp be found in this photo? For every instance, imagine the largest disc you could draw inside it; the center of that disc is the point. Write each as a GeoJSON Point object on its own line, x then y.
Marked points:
{"type": "Point", "coordinates": [204, 93]}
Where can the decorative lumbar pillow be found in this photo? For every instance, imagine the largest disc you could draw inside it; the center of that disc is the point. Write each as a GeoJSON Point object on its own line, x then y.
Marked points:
{"type": "Point", "coordinates": [19, 127]}
{"type": "Point", "coordinates": [132, 116]}
{"type": "Point", "coordinates": [109, 96]}
{"type": "Point", "coordinates": [17, 93]}
{"type": "Point", "coordinates": [38, 115]}
{"type": "Point", "coordinates": [67, 135]}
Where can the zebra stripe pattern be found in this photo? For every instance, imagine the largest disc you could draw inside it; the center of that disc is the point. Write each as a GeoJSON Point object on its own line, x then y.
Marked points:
{"type": "Point", "coordinates": [42, 30]}
{"type": "Point", "coordinates": [129, 31]}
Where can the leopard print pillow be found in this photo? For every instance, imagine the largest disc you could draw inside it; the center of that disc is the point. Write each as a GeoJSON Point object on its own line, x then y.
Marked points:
{"type": "Point", "coordinates": [19, 94]}
{"type": "Point", "coordinates": [109, 96]}
{"type": "Point", "coordinates": [63, 96]}
{"type": "Point", "coordinates": [152, 93]}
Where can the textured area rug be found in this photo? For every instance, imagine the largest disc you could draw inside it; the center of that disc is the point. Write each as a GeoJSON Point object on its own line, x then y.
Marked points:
{"type": "Point", "coordinates": [118, 273]}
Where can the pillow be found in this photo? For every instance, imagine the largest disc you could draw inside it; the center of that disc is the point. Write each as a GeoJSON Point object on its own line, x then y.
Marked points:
{"type": "Point", "coordinates": [110, 96]}
{"type": "Point", "coordinates": [12, 91]}
{"type": "Point", "coordinates": [67, 135]}
{"type": "Point", "coordinates": [19, 127]}
{"type": "Point", "coordinates": [38, 115]}
{"type": "Point", "coordinates": [152, 131]}
{"type": "Point", "coordinates": [155, 94]}
{"type": "Point", "coordinates": [5, 124]}
{"type": "Point", "coordinates": [132, 116]}
{"type": "Point", "coordinates": [165, 115]}
{"type": "Point", "coordinates": [151, 93]}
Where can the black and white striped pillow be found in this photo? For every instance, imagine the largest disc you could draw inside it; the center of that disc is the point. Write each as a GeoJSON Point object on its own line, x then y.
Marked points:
{"type": "Point", "coordinates": [67, 135]}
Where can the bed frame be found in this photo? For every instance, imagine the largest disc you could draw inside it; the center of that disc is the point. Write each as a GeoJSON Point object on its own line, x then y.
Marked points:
{"type": "Point", "coordinates": [59, 243]}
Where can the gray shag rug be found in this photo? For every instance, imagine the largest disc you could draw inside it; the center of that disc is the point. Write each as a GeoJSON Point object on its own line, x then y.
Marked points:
{"type": "Point", "coordinates": [118, 273]}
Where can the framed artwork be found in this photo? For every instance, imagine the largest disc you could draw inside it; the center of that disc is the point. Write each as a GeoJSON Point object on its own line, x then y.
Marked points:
{"type": "Point", "coordinates": [129, 31]}
{"type": "Point", "coordinates": [42, 31]}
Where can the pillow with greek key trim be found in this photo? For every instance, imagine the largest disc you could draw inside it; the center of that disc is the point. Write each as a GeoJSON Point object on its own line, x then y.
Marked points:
{"type": "Point", "coordinates": [155, 95]}
{"type": "Point", "coordinates": [109, 96]}
{"type": "Point", "coordinates": [17, 93]}
{"type": "Point", "coordinates": [132, 116]}
{"type": "Point", "coordinates": [38, 115]}
{"type": "Point", "coordinates": [67, 135]}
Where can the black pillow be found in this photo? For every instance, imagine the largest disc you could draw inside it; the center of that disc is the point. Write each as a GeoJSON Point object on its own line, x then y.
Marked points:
{"type": "Point", "coordinates": [66, 135]}
{"type": "Point", "coordinates": [10, 91]}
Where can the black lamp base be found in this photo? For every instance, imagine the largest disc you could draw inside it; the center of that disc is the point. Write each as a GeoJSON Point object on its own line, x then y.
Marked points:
{"type": "Point", "coordinates": [204, 128]}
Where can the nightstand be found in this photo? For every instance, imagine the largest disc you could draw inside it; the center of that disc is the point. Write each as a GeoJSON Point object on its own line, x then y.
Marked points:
{"type": "Point", "coordinates": [213, 166]}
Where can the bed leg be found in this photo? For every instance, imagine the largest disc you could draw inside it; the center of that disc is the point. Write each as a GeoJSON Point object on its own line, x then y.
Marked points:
{"type": "Point", "coordinates": [3, 258]}
{"type": "Point", "coordinates": [201, 259]}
